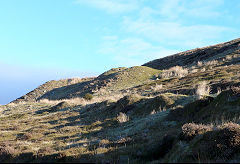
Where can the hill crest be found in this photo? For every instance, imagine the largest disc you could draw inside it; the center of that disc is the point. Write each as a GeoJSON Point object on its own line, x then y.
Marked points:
{"type": "Point", "coordinates": [191, 57]}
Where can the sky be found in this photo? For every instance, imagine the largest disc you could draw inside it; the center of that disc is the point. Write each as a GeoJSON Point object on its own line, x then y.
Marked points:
{"type": "Point", "coordinates": [43, 40]}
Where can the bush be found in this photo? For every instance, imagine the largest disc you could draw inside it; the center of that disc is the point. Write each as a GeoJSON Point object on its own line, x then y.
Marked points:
{"type": "Point", "coordinates": [176, 71]}
{"type": "Point", "coordinates": [88, 96]}
{"type": "Point", "coordinates": [157, 87]}
{"type": "Point", "coordinates": [231, 134]}
{"type": "Point", "coordinates": [45, 151]}
{"type": "Point", "coordinates": [202, 90]}
{"type": "Point", "coordinates": [6, 153]}
{"type": "Point", "coordinates": [220, 144]}
{"type": "Point", "coordinates": [190, 130]}
{"type": "Point", "coordinates": [122, 117]}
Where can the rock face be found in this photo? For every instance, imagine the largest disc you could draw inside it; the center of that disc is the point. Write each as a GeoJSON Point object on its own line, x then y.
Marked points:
{"type": "Point", "coordinates": [191, 57]}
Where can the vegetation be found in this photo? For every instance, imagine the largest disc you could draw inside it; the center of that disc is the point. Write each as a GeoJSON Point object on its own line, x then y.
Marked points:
{"type": "Point", "coordinates": [122, 117]}
{"type": "Point", "coordinates": [88, 96]}
{"type": "Point", "coordinates": [176, 71]}
{"type": "Point", "coordinates": [202, 90]}
{"type": "Point", "coordinates": [181, 110]}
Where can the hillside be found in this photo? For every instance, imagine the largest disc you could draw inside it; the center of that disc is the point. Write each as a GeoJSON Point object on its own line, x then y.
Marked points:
{"type": "Point", "coordinates": [48, 86]}
{"type": "Point", "coordinates": [189, 58]}
{"type": "Point", "coordinates": [109, 83]}
{"type": "Point", "coordinates": [181, 108]}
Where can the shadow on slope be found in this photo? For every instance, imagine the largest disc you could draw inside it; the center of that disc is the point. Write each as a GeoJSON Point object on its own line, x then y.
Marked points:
{"type": "Point", "coordinates": [213, 137]}
{"type": "Point", "coordinates": [225, 106]}
{"type": "Point", "coordinates": [113, 80]}
{"type": "Point", "coordinates": [99, 122]}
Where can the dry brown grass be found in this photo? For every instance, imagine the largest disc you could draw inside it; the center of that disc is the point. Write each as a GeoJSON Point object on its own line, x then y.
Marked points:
{"type": "Point", "coordinates": [7, 152]}
{"type": "Point", "coordinates": [74, 80]}
{"type": "Point", "coordinates": [82, 101]}
{"type": "Point", "coordinates": [211, 63]}
{"type": "Point", "coordinates": [176, 71]}
{"type": "Point", "coordinates": [122, 117]}
{"type": "Point", "coordinates": [24, 136]}
{"type": "Point", "coordinates": [157, 87]}
{"type": "Point", "coordinates": [207, 63]}
{"type": "Point", "coordinates": [199, 63]}
{"type": "Point", "coordinates": [190, 130]}
{"type": "Point", "coordinates": [203, 89]}
{"type": "Point", "coordinates": [220, 144]}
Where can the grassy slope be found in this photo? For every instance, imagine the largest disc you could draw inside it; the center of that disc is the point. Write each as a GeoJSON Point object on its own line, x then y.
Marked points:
{"type": "Point", "coordinates": [191, 57]}
{"type": "Point", "coordinates": [132, 77]}
{"type": "Point", "coordinates": [48, 86]}
{"type": "Point", "coordinates": [111, 81]}
{"type": "Point", "coordinates": [157, 109]}
{"type": "Point", "coordinates": [93, 129]}
{"type": "Point", "coordinates": [86, 131]}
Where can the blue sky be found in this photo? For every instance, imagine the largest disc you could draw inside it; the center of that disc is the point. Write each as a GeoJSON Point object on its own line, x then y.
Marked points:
{"type": "Point", "coordinates": [41, 40]}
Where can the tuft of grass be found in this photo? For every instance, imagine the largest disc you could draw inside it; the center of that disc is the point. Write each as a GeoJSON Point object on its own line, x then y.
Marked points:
{"type": "Point", "coordinates": [190, 130]}
{"type": "Point", "coordinates": [88, 96]}
{"type": "Point", "coordinates": [122, 117]}
{"type": "Point", "coordinates": [176, 71]}
{"type": "Point", "coordinates": [220, 144]}
{"type": "Point", "coordinates": [7, 152]}
{"type": "Point", "coordinates": [203, 90]}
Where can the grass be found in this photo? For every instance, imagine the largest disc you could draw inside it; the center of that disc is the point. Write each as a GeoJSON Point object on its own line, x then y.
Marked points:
{"type": "Point", "coordinates": [91, 131]}
{"type": "Point", "coordinates": [73, 132]}
{"type": "Point", "coordinates": [48, 86]}
{"type": "Point", "coordinates": [133, 117]}
{"type": "Point", "coordinates": [132, 77]}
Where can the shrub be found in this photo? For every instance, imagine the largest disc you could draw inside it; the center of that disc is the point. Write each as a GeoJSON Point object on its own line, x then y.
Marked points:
{"type": "Point", "coordinates": [231, 133]}
{"type": "Point", "coordinates": [199, 63]}
{"type": "Point", "coordinates": [202, 90]}
{"type": "Point", "coordinates": [176, 71]}
{"type": "Point", "coordinates": [74, 80]}
{"type": "Point", "coordinates": [220, 144]}
{"type": "Point", "coordinates": [6, 153]}
{"type": "Point", "coordinates": [157, 87]}
{"type": "Point", "coordinates": [88, 96]}
{"type": "Point", "coordinates": [45, 151]}
{"type": "Point", "coordinates": [122, 117]}
{"type": "Point", "coordinates": [229, 57]}
{"type": "Point", "coordinates": [190, 130]}
{"type": "Point", "coordinates": [212, 62]}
